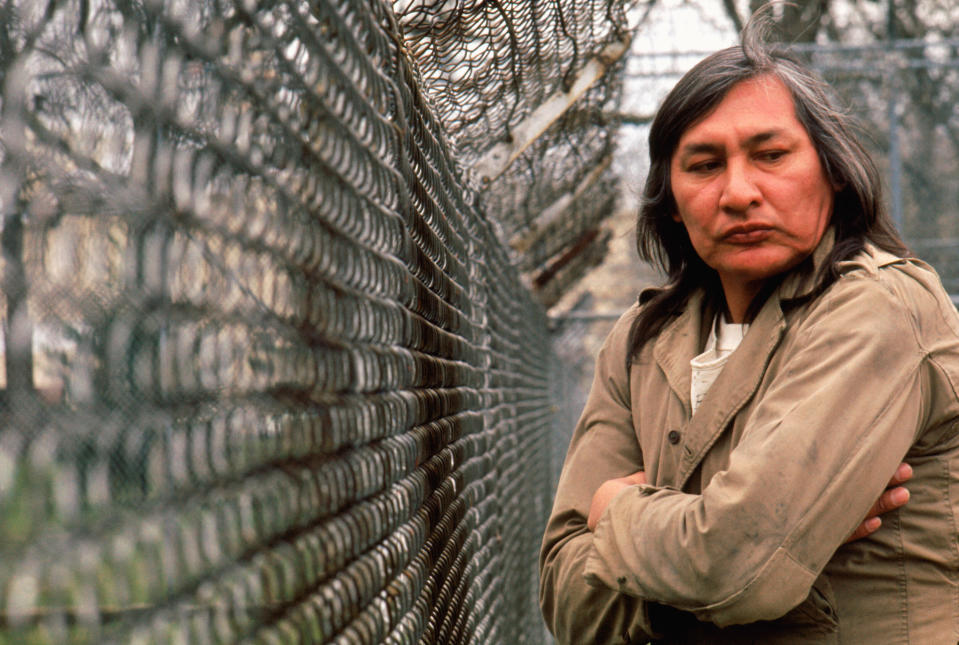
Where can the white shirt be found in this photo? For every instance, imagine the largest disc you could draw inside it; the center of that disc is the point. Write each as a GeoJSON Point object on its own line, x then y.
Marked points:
{"type": "Point", "coordinates": [723, 338]}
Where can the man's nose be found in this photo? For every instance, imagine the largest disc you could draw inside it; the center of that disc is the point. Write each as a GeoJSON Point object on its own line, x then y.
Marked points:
{"type": "Point", "coordinates": [740, 192]}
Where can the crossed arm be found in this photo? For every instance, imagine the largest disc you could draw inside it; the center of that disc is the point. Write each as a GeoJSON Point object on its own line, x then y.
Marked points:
{"type": "Point", "coordinates": [807, 466]}
{"type": "Point", "coordinates": [892, 498]}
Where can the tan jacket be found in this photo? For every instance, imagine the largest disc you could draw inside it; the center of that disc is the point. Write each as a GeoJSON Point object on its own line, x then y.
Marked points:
{"type": "Point", "coordinates": [750, 501]}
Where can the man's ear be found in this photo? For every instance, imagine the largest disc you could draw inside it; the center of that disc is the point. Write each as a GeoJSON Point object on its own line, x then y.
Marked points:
{"type": "Point", "coordinates": [677, 218]}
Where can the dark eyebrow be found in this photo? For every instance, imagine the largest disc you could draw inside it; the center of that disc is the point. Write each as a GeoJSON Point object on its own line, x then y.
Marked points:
{"type": "Point", "coordinates": [700, 148]}
{"type": "Point", "coordinates": [762, 137]}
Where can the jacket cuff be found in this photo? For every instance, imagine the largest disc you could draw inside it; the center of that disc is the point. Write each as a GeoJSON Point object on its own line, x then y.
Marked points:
{"type": "Point", "coordinates": [767, 596]}
{"type": "Point", "coordinates": [597, 574]}
{"type": "Point", "coordinates": [598, 571]}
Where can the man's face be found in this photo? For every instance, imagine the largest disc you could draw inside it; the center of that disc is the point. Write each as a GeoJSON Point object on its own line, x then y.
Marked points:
{"type": "Point", "coordinates": [749, 186]}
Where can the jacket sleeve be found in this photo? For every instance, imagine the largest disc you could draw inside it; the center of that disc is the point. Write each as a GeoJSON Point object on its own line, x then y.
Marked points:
{"type": "Point", "coordinates": [603, 446]}
{"type": "Point", "coordinates": [837, 417]}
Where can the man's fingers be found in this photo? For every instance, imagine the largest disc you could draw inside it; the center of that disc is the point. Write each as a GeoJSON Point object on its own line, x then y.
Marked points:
{"type": "Point", "coordinates": [902, 475]}
{"type": "Point", "coordinates": [895, 496]}
{"type": "Point", "coordinates": [890, 500]}
{"type": "Point", "coordinates": [865, 528]}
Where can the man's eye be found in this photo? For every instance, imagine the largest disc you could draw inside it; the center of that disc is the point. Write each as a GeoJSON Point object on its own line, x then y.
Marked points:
{"type": "Point", "coordinates": [771, 155]}
{"type": "Point", "coordinates": [705, 166]}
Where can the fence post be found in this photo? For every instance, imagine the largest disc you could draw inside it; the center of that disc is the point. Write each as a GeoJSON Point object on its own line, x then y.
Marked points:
{"type": "Point", "coordinates": [895, 161]}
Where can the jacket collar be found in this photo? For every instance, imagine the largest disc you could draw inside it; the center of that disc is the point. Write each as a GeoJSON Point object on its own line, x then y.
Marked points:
{"type": "Point", "coordinates": [734, 387]}
{"type": "Point", "coordinates": [803, 281]}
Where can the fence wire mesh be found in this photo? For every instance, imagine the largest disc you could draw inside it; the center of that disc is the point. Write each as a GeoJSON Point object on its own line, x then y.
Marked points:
{"type": "Point", "coordinates": [489, 68]}
{"type": "Point", "coordinates": [905, 96]}
{"type": "Point", "coordinates": [269, 374]}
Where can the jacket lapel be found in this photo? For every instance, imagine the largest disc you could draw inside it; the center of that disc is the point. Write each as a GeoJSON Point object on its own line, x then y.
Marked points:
{"type": "Point", "coordinates": [734, 387]}
{"type": "Point", "coordinates": [677, 344]}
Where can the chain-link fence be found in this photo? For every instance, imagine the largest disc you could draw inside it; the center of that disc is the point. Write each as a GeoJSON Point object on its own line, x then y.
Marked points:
{"type": "Point", "coordinates": [269, 374]}
{"type": "Point", "coordinates": [904, 92]}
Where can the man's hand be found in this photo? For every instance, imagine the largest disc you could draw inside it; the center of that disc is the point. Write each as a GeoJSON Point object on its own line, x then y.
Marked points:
{"type": "Point", "coordinates": [892, 498]}
{"type": "Point", "coordinates": [607, 491]}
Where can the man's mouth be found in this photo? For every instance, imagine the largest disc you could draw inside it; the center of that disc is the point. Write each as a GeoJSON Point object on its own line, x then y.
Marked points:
{"type": "Point", "coordinates": [747, 234]}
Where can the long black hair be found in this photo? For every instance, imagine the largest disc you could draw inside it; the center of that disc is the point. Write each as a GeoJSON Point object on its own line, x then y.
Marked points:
{"type": "Point", "coordinates": [859, 212]}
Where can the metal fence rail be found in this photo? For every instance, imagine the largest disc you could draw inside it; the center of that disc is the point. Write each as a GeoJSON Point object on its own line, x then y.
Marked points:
{"type": "Point", "coordinates": [269, 375]}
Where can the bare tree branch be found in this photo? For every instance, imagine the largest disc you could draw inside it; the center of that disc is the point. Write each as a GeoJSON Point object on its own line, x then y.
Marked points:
{"type": "Point", "coordinates": [730, 8]}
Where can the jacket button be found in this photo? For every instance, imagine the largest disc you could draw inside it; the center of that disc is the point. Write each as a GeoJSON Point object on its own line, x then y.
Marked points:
{"type": "Point", "coordinates": [673, 437]}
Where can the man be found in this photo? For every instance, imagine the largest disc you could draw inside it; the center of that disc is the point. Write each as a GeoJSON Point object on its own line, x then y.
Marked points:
{"type": "Point", "coordinates": [767, 394]}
